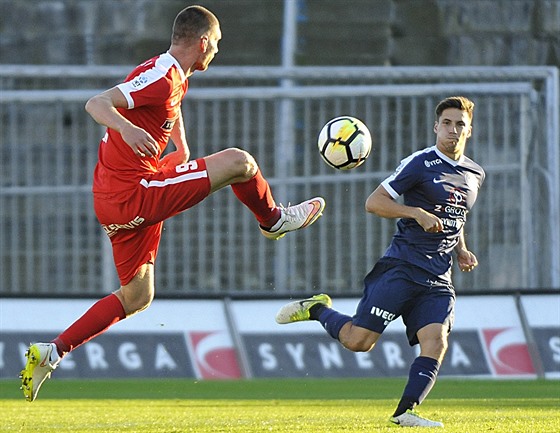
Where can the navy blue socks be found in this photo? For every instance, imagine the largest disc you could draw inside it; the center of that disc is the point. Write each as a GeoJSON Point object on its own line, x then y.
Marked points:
{"type": "Point", "coordinates": [332, 320]}
{"type": "Point", "coordinates": [421, 379]}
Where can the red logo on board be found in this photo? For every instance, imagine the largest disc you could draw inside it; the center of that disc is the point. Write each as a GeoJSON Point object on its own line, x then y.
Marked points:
{"type": "Point", "coordinates": [508, 351]}
{"type": "Point", "coordinates": [214, 356]}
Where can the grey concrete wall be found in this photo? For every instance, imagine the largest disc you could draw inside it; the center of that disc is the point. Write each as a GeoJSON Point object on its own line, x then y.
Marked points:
{"type": "Point", "coordinates": [330, 32]}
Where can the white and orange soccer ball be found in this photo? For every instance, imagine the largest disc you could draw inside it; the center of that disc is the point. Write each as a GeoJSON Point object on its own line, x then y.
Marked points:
{"type": "Point", "coordinates": [344, 142]}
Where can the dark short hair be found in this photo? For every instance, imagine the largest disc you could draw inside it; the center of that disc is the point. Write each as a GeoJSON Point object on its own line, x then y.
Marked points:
{"type": "Point", "coordinates": [192, 22]}
{"type": "Point", "coordinates": [460, 102]}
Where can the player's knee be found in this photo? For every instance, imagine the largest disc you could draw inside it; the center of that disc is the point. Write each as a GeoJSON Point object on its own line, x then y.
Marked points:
{"type": "Point", "coordinates": [435, 347]}
{"type": "Point", "coordinates": [137, 303]}
{"type": "Point", "coordinates": [244, 163]}
{"type": "Point", "coordinates": [144, 302]}
{"type": "Point", "coordinates": [357, 345]}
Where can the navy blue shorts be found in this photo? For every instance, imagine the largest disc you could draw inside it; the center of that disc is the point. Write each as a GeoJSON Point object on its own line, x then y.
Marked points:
{"type": "Point", "coordinates": [396, 288]}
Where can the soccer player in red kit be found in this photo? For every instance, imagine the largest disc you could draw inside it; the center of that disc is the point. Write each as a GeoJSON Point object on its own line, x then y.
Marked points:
{"type": "Point", "coordinates": [135, 189]}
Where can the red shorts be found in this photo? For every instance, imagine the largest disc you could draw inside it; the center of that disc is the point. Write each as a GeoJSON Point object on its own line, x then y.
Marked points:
{"type": "Point", "coordinates": [133, 220]}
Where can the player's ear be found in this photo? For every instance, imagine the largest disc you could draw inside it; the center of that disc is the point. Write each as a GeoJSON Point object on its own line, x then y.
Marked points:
{"type": "Point", "coordinates": [203, 43]}
{"type": "Point", "coordinates": [470, 131]}
{"type": "Point", "coordinates": [435, 126]}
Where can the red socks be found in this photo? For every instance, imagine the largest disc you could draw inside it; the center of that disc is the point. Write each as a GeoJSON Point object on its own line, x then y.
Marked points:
{"type": "Point", "coordinates": [256, 195]}
{"type": "Point", "coordinates": [102, 315]}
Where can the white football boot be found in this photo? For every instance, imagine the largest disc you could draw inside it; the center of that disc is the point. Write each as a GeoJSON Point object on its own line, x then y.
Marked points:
{"type": "Point", "coordinates": [295, 217]}
{"type": "Point", "coordinates": [298, 311]}
{"type": "Point", "coordinates": [42, 359]}
{"type": "Point", "coordinates": [412, 419]}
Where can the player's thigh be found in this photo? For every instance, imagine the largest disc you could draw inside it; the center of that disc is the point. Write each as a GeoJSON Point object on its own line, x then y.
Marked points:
{"type": "Point", "coordinates": [173, 190]}
{"type": "Point", "coordinates": [386, 294]}
{"type": "Point", "coordinates": [431, 306]}
{"type": "Point", "coordinates": [356, 338]}
{"type": "Point", "coordinates": [133, 248]}
{"type": "Point", "coordinates": [139, 292]}
{"type": "Point", "coordinates": [433, 340]}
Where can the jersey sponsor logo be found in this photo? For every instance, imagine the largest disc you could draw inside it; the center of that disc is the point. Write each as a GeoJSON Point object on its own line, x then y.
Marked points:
{"type": "Point", "coordinates": [457, 196]}
{"type": "Point", "coordinates": [434, 180]}
{"type": "Point", "coordinates": [433, 162]}
{"type": "Point", "coordinates": [452, 223]}
{"type": "Point", "coordinates": [112, 229]}
{"type": "Point", "coordinates": [451, 210]}
{"type": "Point", "coordinates": [168, 125]}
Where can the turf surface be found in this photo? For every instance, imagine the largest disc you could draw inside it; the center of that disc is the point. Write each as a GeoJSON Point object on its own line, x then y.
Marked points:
{"type": "Point", "coordinates": [314, 405]}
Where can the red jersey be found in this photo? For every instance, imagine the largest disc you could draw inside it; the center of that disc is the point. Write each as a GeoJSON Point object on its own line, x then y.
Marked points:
{"type": "Point", "coordinates": [154, 91]}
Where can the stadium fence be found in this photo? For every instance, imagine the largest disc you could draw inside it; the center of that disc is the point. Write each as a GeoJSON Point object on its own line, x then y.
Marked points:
{"type": "Point", "coordinates": [51, 243]}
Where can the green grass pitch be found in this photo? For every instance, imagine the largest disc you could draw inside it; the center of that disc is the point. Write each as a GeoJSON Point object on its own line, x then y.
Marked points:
{"type": "Point", "coordinates": [282, 405]}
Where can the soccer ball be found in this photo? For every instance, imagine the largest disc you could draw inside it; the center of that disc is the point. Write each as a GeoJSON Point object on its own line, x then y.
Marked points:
{"type": "Point", "coordinates": [344, 142]}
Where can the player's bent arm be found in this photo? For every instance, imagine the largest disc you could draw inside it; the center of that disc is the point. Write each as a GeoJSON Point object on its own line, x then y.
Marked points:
{"type": "Point", "coordinates": [382, 204]}
{"type": "Point", "coordinates": [103, 109]}
{"type": "Point", "coordinates": [179, 138]}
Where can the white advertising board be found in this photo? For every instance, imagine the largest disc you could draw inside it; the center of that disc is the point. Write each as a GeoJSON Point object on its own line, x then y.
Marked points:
{"type": "Point", "coordinates": [543, 317]}
{"type": "Point", "coordinates": [195, 338]}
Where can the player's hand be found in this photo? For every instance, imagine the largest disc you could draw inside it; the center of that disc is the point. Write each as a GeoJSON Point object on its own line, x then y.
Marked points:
{"type": "Point", "coordinates": [174, 159]}
{"type": "Point", "coordinates": [429, 222]}
{"type": "Point", "coordinates": [139, 141]}
{"type": "Point", "coordinates": [466, 260]}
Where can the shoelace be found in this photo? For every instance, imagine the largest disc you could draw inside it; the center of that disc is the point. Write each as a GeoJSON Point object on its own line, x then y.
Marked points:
{"type": "Point", "coordinates": [294, 213]}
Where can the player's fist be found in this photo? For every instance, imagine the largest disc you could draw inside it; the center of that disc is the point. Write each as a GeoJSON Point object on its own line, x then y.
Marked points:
{"type": "Point", "coordinates": [466, 260]}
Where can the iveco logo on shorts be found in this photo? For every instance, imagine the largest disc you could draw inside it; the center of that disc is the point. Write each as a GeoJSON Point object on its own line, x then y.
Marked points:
{"type": "Point", "coordinates": [379, 312]}
{"type": "Point", "coordinates": [432, 163]}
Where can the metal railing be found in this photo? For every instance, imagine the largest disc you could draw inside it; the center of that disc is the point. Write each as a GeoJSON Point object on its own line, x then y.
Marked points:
{"type": "Point", "coordinates": [51, 242]}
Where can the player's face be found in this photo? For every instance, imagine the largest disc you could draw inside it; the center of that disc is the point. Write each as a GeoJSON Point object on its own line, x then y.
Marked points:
{"type": "Point", "coordinates": [209, 48]}
{"type": "Point", "coordinates": [452, 130]}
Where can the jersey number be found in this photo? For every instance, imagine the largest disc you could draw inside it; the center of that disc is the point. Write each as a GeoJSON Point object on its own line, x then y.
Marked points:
{"type": "Point", "coordinates": [187, 166]}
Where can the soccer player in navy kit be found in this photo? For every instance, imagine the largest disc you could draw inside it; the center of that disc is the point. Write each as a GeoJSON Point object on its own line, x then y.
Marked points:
{"type": "Point", "coordinates": [439, 185]}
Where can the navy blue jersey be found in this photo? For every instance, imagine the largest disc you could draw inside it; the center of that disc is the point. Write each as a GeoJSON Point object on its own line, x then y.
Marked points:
{"type": "Point", "coordinates": [446, 188]}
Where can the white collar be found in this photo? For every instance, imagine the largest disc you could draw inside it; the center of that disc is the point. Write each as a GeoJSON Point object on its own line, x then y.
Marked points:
{"type": "Point", "coordinates": [177, 64]}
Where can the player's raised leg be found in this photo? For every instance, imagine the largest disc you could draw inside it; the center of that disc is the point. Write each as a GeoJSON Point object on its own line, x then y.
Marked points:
{"type": "Point", "coordinates": [239, 169]}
